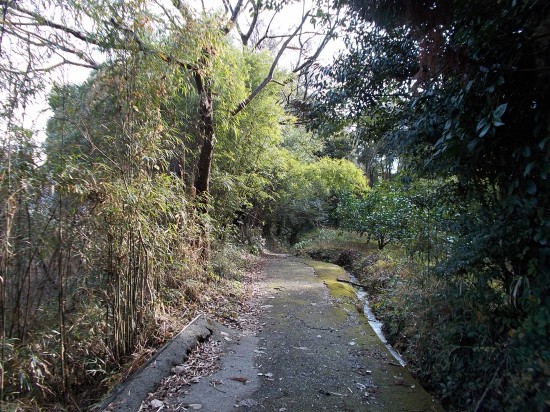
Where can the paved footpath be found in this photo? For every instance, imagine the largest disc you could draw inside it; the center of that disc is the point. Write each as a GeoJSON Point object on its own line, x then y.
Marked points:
{"type": "Point", "coordinates": [314, 352]}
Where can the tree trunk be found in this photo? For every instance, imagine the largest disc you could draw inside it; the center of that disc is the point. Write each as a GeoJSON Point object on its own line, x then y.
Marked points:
{"type": "Point", "coordinates": [206, 135]}
{"type": "Point", "coordinates": [204, 163]}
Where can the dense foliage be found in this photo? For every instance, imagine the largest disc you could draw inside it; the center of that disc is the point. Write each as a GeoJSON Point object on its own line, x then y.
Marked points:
{"type": "Point", "coordinates": [308, 194]}
{"type": "Point", "coordinates": [466, 92]}
{"type": "Point", "coordinates": [383, 215]}
{"type": "Point", "coordinates": [95, 256]}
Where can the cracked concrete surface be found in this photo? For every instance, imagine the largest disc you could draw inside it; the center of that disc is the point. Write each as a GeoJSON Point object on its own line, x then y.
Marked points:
{"type": "Point", "coordinates": [313, 352]}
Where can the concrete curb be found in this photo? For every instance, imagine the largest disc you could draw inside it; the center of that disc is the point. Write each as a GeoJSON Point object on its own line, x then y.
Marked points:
{"type": "Point", "coordinates": [127, 397]}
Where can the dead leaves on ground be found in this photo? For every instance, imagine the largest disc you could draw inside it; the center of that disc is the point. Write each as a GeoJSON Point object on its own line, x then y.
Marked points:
{"type": "Point", "coordinates": [203, 361]}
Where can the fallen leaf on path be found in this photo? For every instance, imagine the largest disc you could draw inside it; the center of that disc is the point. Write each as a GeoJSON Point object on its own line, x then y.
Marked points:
{"type": "Point", "coordinates": [327, 393]}
{"type": "Point", "coordinates": [194, 406]}
{"type": "Point", "coordinates": [240, 379]}
{"type": "Point", "coordinates": [178, 370]}
{"type": "Point", "coordinates": [155, 403]}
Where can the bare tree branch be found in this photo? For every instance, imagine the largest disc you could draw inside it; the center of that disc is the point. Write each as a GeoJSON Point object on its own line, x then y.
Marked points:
{"type": "Point", "coordinates": [278, 36]}
{"type": "Point", "coordinates": [274, 64]}
{"type": "Point", "coordinates": [44, 42]}
{"type": "Point", "coordinates": [46, 69]}
{"type": "Point", "coordinates": [261, 39]}
{"type": "Point", "coordinates": [310, 60]}
{"type": "Point", "coordinates": [167, 13]}
{"type": "Point", "coordinates": [90, 39]}
{"type": "Point", "coordinates": [227, 6]}
{"type": "Point", "coordinates": [41, 20]}
{"type": "Point", "coordinates": [234, 16]}
{"type": "Point", "coordinates": [245, 37]}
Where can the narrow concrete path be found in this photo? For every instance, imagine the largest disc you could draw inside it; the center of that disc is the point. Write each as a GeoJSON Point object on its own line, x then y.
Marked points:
{"type": "Point", "coordinates": [313, 352]}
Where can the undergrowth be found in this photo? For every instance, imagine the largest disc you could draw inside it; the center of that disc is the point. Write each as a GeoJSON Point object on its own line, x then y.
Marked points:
{"type": "Point", "coordinates": [31, 365]}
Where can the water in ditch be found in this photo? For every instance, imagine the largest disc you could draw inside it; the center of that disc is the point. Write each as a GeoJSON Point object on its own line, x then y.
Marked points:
{"type": "Point", "coordinates": [376, 324]}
